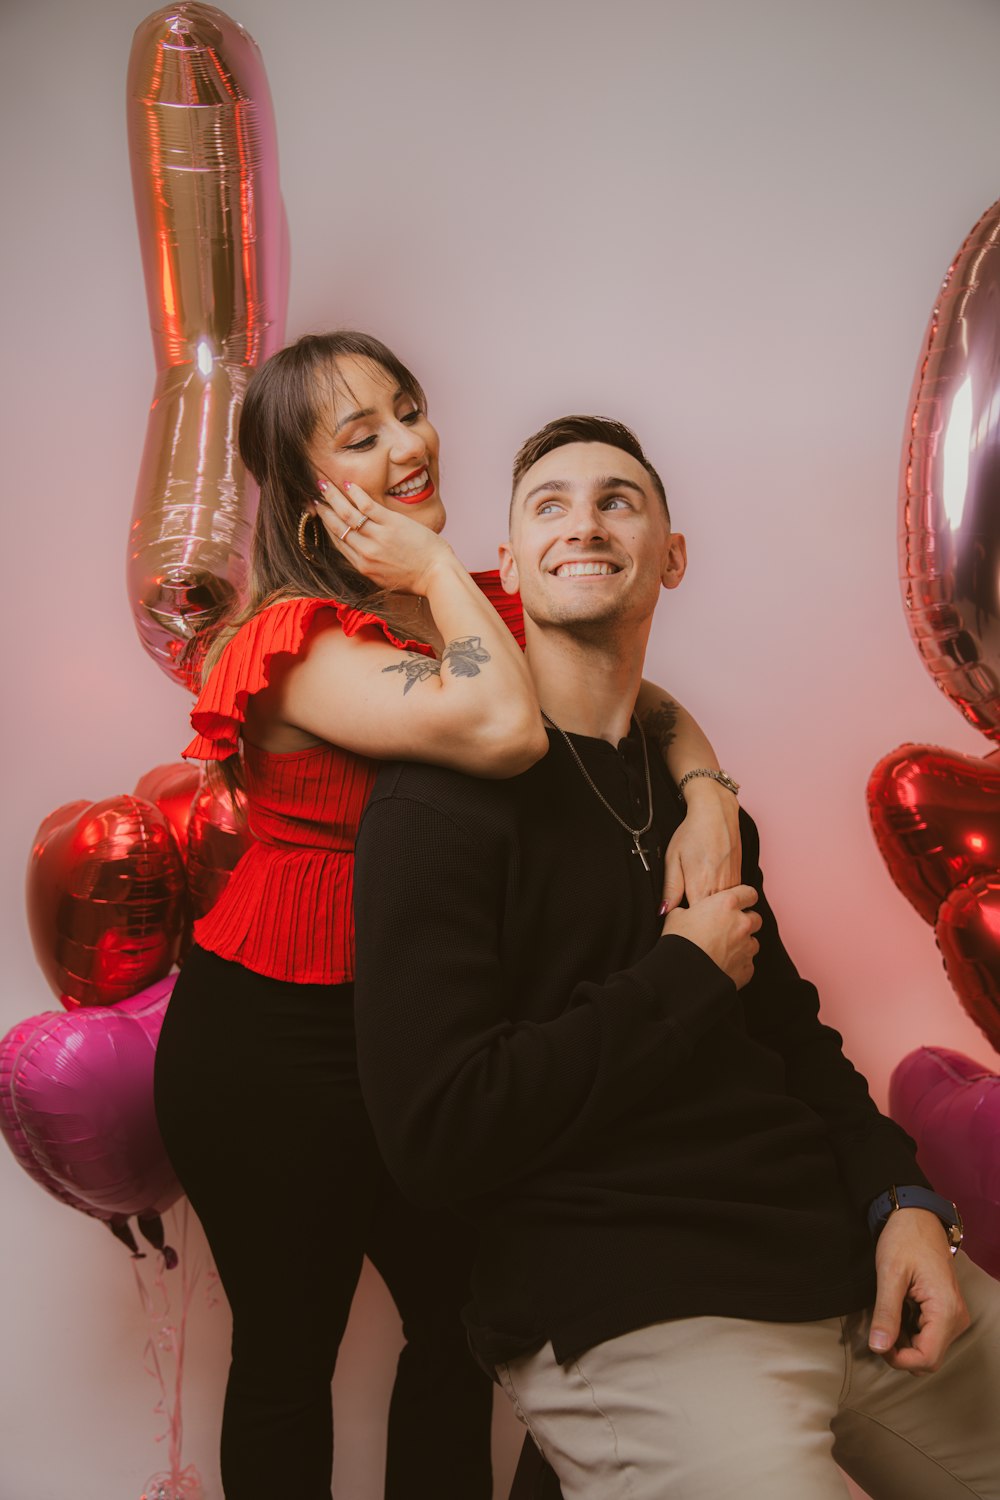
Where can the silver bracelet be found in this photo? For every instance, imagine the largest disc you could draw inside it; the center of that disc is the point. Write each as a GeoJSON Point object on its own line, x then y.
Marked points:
{"type": "Point", "coordinates": [722, 777]}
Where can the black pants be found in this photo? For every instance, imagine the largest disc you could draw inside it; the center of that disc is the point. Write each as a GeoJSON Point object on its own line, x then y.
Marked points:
{"type": "Point", "coordinates": [260, 1109]}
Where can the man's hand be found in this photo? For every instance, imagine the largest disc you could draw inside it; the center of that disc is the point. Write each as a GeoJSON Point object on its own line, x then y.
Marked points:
{"type": "Point", "coordinates": [914, 1264]}
{"type": "Point", "coordinates": [704, 855]}
{"type": "Point", "coordinates": [723, 927]}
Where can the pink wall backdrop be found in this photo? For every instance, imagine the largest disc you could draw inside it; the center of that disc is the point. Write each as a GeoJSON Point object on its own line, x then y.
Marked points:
{"type": "Point", "coordinates": [725, 224]}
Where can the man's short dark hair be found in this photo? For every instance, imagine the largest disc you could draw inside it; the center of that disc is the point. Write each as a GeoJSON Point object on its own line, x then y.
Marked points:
{"type": "Point", "coordinates": [579, 429]}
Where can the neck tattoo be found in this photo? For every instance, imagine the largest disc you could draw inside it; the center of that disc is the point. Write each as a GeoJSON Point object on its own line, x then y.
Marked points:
{"type": "Point", "coordinates": [636, 833]}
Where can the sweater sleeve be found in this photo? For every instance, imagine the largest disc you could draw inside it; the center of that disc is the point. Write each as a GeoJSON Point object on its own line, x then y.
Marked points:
{"type": "Point", "coordinates": [464, 1099]}
{"type": "Point", "coordinates": [782, 1012]}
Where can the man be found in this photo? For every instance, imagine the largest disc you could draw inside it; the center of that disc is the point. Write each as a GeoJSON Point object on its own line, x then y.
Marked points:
{"type": "Point", "coordinates": [669, 1159]}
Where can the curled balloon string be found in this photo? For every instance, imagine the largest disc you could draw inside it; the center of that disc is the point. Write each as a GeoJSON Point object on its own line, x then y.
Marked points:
{"type": "Point", "coordinates": [204, 157]}
{"type": "Point", "coordinates": [163, 1358]}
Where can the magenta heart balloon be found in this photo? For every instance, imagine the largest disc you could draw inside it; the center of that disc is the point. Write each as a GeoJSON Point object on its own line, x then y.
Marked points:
{"type": "Point", "coordinates": [78, 1105]}
{"type": "Point", "coordinates": [10, 1125]}
{"type": "Point", "coordinates": [951, 1107]}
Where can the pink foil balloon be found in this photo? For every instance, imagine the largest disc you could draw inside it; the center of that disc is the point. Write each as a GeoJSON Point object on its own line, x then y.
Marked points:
{"type": "Point", "coordinates": [10, 1124]}
{"type": "Point", "coordinates": [106, 899]}
{"type": "Point", "coordinates": [950, 485]}
{"type": "Point", "coordinates": [214, 250]}
{"type": "Point", "coordinates": [78, 1097]}
{"type": "Point", "coordinates": [951, 1107]}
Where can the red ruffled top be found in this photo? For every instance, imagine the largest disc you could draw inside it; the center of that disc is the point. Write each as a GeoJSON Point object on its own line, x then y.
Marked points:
{"type": "Point", "coordinates": [287, 910]}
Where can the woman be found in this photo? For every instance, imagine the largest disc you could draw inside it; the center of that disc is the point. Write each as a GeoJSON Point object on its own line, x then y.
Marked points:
{"type": "Point", "coordinates": [326, 670]}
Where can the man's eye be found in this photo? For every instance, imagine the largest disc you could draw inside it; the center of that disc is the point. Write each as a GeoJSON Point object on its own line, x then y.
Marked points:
{"type": "Point", "coordinates": [547, 507]}
{"type": "Point", "coordinates": [362, 443]}
{"type": "Point", "coordinates": [614, 500]}
{"type": "Point", "coordinates": [412, 416]}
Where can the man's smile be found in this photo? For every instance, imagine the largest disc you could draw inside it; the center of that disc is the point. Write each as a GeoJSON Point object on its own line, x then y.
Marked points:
{"type": "Point", "coordinates": [592, 569]}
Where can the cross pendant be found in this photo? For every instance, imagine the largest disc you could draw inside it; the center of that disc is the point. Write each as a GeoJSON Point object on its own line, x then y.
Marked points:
{"type": "Point", "coordinates": [640, 851]}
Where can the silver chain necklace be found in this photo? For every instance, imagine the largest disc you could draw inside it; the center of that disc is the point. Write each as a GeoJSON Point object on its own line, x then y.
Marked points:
{"type": "Point", "coordinates": [636, 833]}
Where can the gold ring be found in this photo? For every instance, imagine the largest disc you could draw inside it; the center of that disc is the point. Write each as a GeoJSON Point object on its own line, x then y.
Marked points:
{"type": "Point", "coordinates": [363, 522]}
{"type": "Point", "coordinates": [346, 532]}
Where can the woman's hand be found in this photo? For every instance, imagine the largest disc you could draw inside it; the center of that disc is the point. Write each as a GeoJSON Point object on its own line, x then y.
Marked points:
{"type": "Point", "coordinates": [705, 854]}
{"type": "Point", "coordinates": [396, 552]}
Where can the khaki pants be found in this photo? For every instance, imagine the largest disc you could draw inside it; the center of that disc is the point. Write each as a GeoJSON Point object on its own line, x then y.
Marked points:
{"type": "Point", "coordinates": [720, 1408]}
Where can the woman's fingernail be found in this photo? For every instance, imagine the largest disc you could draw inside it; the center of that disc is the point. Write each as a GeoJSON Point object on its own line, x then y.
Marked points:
{"type": "Point", "coordinates": [663, 908]}
{"type": "Point", "coordinates": [347, 484]}
{"type": "Point", "coordinates": [322, 486]}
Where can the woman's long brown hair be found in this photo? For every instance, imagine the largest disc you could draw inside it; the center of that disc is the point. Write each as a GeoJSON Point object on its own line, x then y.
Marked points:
{"type": "Point", "coordinates": [286, 401]}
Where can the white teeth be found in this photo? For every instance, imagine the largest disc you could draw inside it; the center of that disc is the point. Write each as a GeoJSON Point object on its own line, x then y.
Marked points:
{"type": "Point", "coordinates": [584, 570]}
{"type": "Point", "coordinates": [411, 486]}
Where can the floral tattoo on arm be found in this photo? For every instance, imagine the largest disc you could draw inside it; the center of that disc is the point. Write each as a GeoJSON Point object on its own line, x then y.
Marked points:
{"type": "Point", "coordinates": [464, 657]}
{"type": "Point", "coordinates": [415, 668]}
{"type": "Point", "coordinates": [660, 724]}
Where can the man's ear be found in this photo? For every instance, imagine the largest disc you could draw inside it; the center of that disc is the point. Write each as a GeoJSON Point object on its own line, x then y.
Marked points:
{"type": "Point", "coordinates": [508, 569]}
{"type": "Point", "coordinates": [676, 562]}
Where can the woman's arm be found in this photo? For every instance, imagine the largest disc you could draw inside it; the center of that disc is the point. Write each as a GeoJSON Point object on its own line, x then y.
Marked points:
{"type": "Point", "coordinates": [705, 853]}
{"type": "Point", "coordinates": [473, 709]}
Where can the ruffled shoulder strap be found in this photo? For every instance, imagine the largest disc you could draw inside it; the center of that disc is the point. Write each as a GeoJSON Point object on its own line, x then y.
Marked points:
{"type": "Point", "coordinates": [244, 667]}
{"type": "Point", "coordinates": [507, 606]}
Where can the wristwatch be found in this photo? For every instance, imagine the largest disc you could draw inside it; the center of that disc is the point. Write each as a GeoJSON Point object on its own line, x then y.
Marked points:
{"type": "Point", "coordinates": [916, 1197]}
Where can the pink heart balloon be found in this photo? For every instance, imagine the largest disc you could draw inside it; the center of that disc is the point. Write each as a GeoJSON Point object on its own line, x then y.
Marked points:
{"type": "Point", "coordinates": [77, 1105]}
{"type": "Point", "coordinates": [106, 899]}
{"type": "Point", "coordinates": [10, 1124]}
{"type": "Point", "coordinates": [951, 1107]}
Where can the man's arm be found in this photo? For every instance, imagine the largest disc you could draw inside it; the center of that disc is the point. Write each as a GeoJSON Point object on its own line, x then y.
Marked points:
{"type": "Point", "coordinates": [462, 1098]}
{"type": "Point", "coordinates": [913, 1263]}
{"type": "Point", "coordinates": [782, 1012]}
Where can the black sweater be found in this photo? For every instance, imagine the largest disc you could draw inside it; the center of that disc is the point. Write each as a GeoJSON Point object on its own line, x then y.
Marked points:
{"type": "Point", "coordinates": [635, 1139]}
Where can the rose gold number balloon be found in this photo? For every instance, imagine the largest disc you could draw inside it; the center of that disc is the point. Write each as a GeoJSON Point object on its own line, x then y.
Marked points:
{"type": "Point", "coordinates": [950, 485]}
{"type": "Point", "coordinates": [936, 815]}
{"type": "Point", "coordinates": [214, 250]}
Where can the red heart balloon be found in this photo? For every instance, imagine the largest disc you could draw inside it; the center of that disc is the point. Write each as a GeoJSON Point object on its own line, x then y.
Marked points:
{"type": "Point", "coordinates": [936, 818]}
{"type": "Point", "coordinates": [106, 899]}
{"type": "Point", "coordinates": [173, 788]}
{"type": "Point", "coordinates": [218, 838]}
{"type": "Point", "coordinates": [968, 934]}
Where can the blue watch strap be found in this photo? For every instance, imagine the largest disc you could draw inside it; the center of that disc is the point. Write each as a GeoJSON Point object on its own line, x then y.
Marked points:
{"type": "Point", "coordinates": [915, 1197]}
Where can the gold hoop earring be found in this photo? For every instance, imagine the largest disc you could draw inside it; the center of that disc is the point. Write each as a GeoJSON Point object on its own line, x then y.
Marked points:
{"type": "Point", "coordinates": [307, 551]}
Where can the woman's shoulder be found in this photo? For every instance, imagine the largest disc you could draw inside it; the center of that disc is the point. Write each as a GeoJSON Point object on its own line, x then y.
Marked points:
{"type": "Point", "coordinates": [247, 662]}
